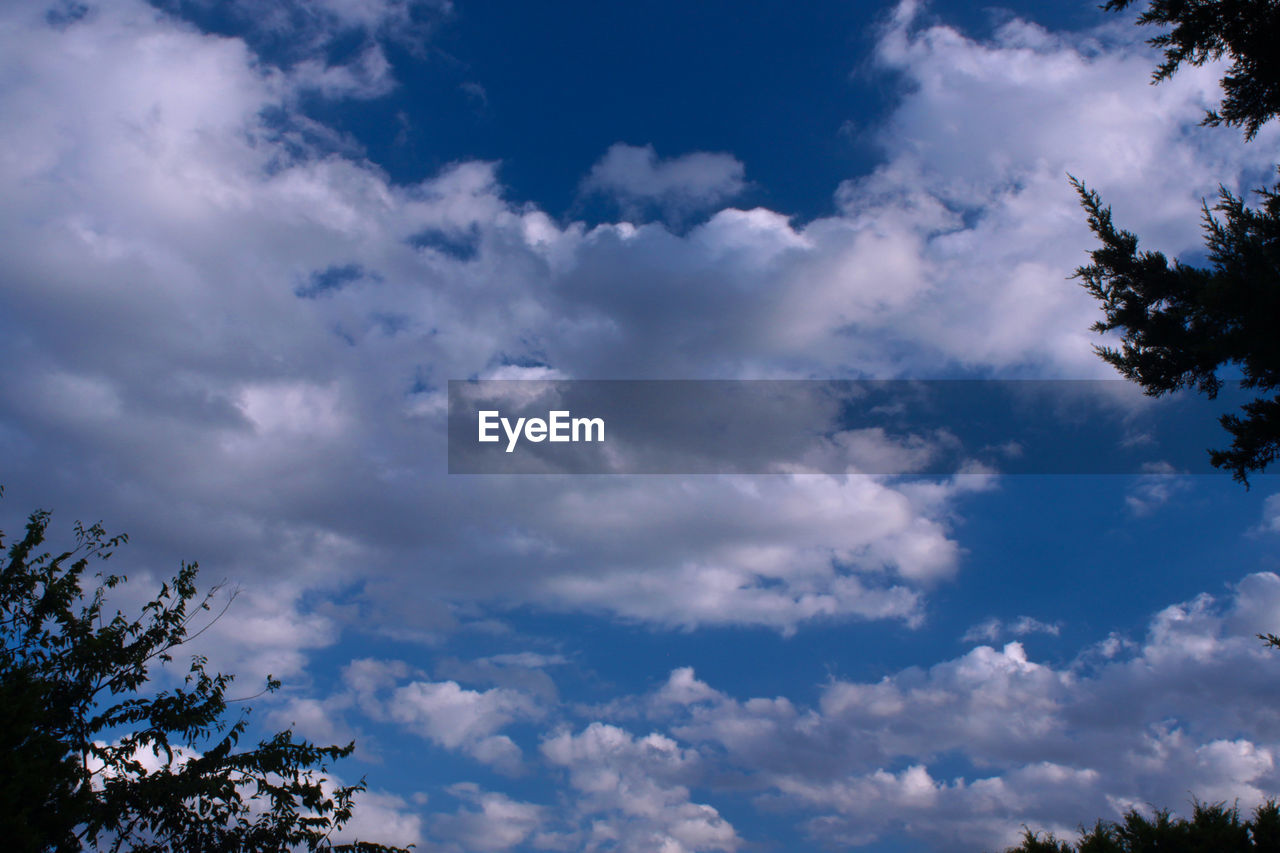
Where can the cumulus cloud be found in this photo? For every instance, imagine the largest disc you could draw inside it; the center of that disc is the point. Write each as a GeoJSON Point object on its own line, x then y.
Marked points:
{"type": "Point", "coordinates": [376, 814]}
{"type": "Point", "coordinates": [488, 820]}
{"type": "Point", "coordinates": [160, 232]}
{"type": "Point", "coordinates": [234, 337]}
{"type": "Point", "coordinates": [629, 791]}
{"type": "Point", "coordinates": [164, 240]}
{"type": "Point", "coordinates": [253, 632]}
{"type": "Point", "coordinates": [160, 237]}
{"type": "Point", "coordinates": [386, 817]}
{"type": "Point", "coordinates": [958, 755]}
{"type": "Point", "coordinates": [456, 718]}
{"type": "Point", "coordinates": [1041, 745]}
{"type": "Point", "coordinates": [447, 714]}
{"type": "Point", "coordinates": [989, 132]}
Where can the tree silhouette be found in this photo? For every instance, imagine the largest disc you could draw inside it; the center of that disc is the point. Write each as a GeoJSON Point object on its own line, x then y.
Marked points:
{"type": "Point", "coordinates": [1180, 324]}
{"type": "Point", "coordinates": [93, 758]}
{"type": "Point", "coordinates": [1203, 30]}
{"type": "Point", "coordinates": [1213, 828]}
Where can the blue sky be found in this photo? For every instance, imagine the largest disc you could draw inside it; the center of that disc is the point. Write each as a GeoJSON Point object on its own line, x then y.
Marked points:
{"type": "Point", "coordinates": [245, 246]}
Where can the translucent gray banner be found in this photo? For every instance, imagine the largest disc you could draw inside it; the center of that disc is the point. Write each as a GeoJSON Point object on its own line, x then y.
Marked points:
{"type": "Point", "coordinates": [886, 427]}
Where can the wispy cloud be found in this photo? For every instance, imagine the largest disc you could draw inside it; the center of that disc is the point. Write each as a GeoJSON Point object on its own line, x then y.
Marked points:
{"type": "Point", "coordinates": [993, 629]}
{"type": "Point", "coordinates": [636, 178]}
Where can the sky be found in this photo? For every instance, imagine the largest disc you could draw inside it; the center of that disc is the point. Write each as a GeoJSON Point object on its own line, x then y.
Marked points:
{"type": "Point", "coordinates": [244, 246]}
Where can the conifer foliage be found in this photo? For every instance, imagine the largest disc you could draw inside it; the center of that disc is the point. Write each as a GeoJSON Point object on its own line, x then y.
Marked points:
{"type": "Point", "coordinates": [1181, 325]}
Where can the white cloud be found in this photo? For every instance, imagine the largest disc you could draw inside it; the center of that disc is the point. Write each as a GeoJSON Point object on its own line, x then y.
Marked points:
{"type": "Point", "coordinates": [1024, 625]}
{"type": "Point", "coordinates": [684, 688]}
{"type": "Point", "coordinates": [993, 629]}
{"type": "Point", "coordinates": [382, 818]}
{"type": "Point", "coordinates": [300, 32]}
{"type": "Point", "coordinates": [959, 755]}
{"type": "Point", "coordinates": [1158, 485]}
{"type": "Point", "coordinates": [1271, 514]}
{"type": "Point", "coordinates": [158, 231]}
{"type": "Point", "coordinates": [494, 821]}
{"type": "Point", "coordinates": [1189, 709]}
{"type": "Point", "coordinates": [369, 75]}
{"type": "Point", "coordinates": [449, 715]}
{"type": "Point", "coordinates": [725, 544]}
{"type": "Point", "coordinates": [376, 814]}
{"type": "Point", "coordinates": [268, 629]}
{"type": "Point", "coordinates": [375, 15]}
{"type": "Point", "coordinates": [630, 795]}
{"type": "Point", "coordinates": [989, 129]}
{"type": "Point", "coordinates": [634, 175]}
{"type": "Point", "coordinates": [457, 718]}
{"type": "Point", "coordinates": [317, 720]}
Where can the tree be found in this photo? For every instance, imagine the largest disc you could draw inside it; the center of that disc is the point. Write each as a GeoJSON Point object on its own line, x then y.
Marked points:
{"type": "Point", "coordinates": [1181, 325]}
{"type": "Point", "coordinates": [91, 759]}
{"type": "Point", "coordinates": [1244, 30]}
{"type": "Point", "coordinates": [1213, 828]}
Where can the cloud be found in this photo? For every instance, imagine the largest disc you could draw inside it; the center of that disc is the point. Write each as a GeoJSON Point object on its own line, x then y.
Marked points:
{"type": "Point", "coordinates": [369, 75]}
{"type": "Point", "coordinates": [493, 822]}
{"type": "Point", "coordinates": [768, 551]}
{"type": "Point", "coordinates": [268, 629]}
{"type": "Point", "coordinates": [1024, 742]}
{"type": "Point", "coordinates": [1271, 514]}
{"type": "Point", "coordinates": [521, 671]}
{"type": "Point", "coordinates": [993, 629]}
{"type": "Point", "coordinates": [378, 15]}
{"type": "Point", "coordinates": [628, 791]}
{"type": "Point", "coordinates": [635, 176]}
{"type": "Point", "coordinates": [382, 816]}
{"type": "Point", "coordinates": [376, 814]}
{"type": "Point", "coordinates": [1155, 488]}
{"type": "Point", "coordinates": [233, 337]}
{"type": "Point", "coordinates": [445, 713]}
{"type": "Point", "coordinates": [958, 755]}
{"type": "Point", "coordinates": [289, 31]}
{"type": "Point", "coordinates": [168, 213]}
{"type": "Point", "coordinates": [457, 718]}
{"type": "Point", "coordinates": [982, 143]}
